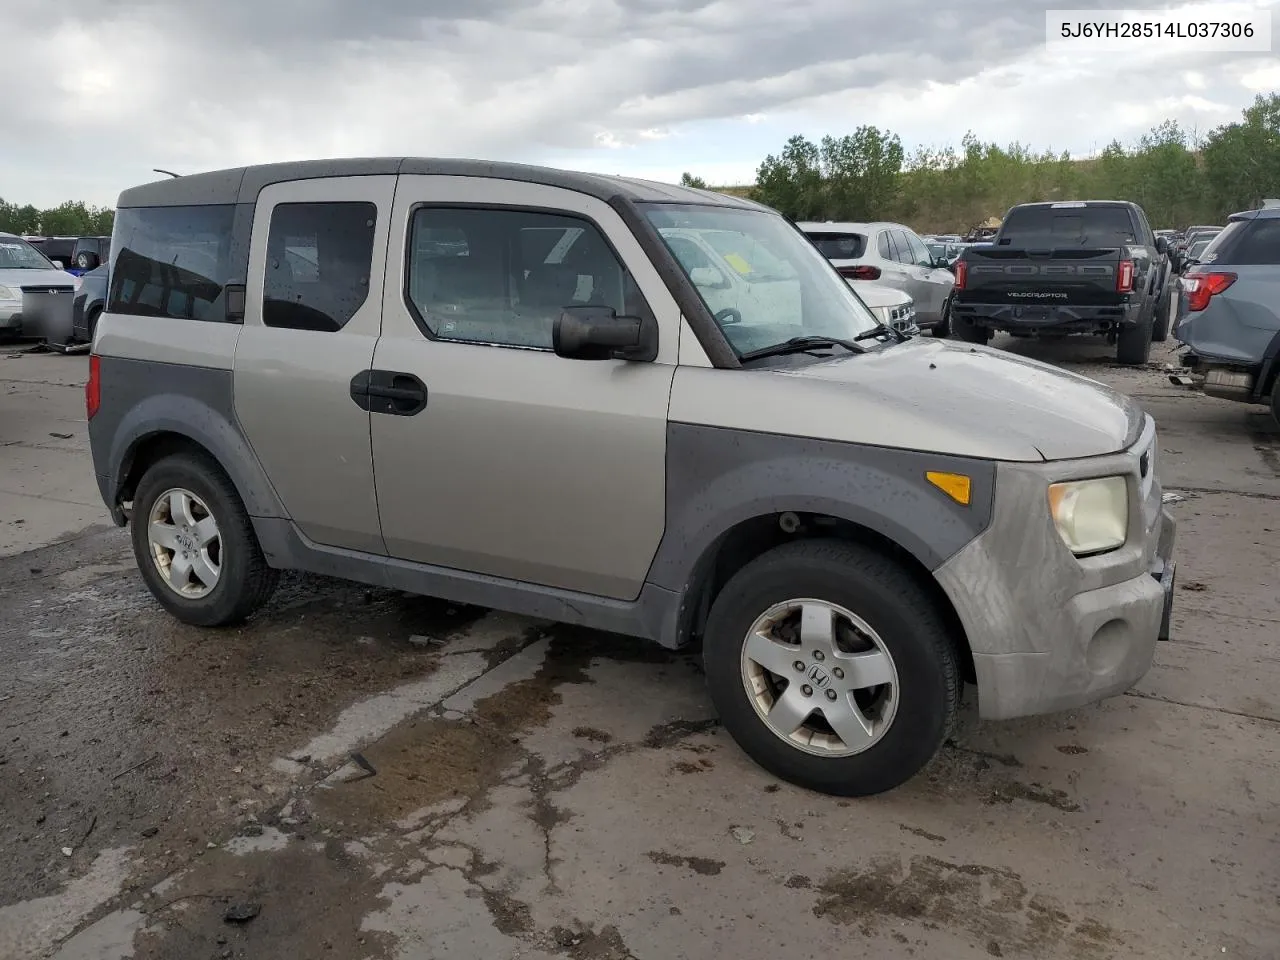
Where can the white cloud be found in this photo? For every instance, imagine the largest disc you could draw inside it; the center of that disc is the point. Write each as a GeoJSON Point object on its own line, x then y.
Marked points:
{"type": "Point", "coordinates": [634, 85]}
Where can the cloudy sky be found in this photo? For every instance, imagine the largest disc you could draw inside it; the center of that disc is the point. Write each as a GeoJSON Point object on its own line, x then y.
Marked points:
{"type": "Point", "coordinates": [97, 94]}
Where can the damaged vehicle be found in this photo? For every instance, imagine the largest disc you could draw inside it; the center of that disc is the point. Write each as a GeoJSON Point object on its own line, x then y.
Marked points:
{"type": "Point", "coordinates": [1229, 311]}
{"type": "Point", "coordinates": [562, 417]}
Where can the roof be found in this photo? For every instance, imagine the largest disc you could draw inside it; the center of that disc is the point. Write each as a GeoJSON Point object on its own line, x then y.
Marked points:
{"type": "Point", "coordinates": [242, 184]}
{"type": "Point", "coordinates": [1263, 213]}
{"type": "Point", "coordinates": [848, 226]}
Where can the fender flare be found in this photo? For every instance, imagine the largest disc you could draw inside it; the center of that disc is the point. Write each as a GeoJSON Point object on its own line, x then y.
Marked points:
{"type": "Point", "coordinates": [188, 417]}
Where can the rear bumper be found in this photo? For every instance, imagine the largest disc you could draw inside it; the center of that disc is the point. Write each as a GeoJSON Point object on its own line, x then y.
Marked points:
{"type": "Point", "coordinates": [1059, 317]}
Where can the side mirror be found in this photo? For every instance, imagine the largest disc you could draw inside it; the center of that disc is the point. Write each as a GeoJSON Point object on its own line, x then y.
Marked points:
{"type": "Point", "coordinates": [940, 263]}
{"type": "Point", "coordinates": [1162, 245]}
{"type": "Point", "coordinates": [598, 333]}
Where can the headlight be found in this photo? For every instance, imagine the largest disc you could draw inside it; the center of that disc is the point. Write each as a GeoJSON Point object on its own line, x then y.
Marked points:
{"type": "Point", "coordinates": [6, 293]}
{"type": "Point", "coordinates": [1091, 515]}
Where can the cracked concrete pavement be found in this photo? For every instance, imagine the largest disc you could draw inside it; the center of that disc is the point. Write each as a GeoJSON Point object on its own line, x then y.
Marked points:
{"type": "Point", "coordinates": [525, 789]}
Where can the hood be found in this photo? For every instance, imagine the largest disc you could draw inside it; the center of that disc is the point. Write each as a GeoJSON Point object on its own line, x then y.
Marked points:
{"type": "Point", "coordinates": [878, 295]}
{"type": "Point", "coordinates": [940, 395]}
{"type": "Point", "coordinates": [16, 279]}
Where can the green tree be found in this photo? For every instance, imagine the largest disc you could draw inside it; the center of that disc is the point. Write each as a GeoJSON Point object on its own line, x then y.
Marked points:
{"type": "Point", "coordinates": [860, 173]}
{"type": "Point", "coordinates": [1242, 160]}
{"type": "Point", "coordinates": [71, 219]}
{"type": "Point", "coordinates": [689, 180]}
{"type": "Point", "coordinates": [792, 181]}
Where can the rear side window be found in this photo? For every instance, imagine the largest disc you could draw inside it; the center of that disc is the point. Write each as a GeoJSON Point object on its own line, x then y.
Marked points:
{"type": "Point", "coordinates": [1246, 243]}
{"type": "Point", "coordinates": [319, 256]}
{"type": "Point", "coordinates": [171, 261]}
{"type": "Point", "coordinates": [1068, 227]}
{"type": "Point", "coordinates": [840, 246]}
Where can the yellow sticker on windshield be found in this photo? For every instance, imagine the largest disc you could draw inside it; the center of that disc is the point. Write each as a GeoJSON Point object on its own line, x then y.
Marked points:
{"type": "Point", "coordinates": [737, 263]}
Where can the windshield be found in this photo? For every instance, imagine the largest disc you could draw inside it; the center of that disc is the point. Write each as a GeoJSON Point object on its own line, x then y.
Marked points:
{"type": "Point", "coordinates": [729, 254]}
{"type": "Point", "coordinates": [16, 254]}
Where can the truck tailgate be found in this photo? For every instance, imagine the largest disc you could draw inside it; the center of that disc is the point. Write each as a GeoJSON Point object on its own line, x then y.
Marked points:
{"type": "Point", "coordinates": [1072, 276]}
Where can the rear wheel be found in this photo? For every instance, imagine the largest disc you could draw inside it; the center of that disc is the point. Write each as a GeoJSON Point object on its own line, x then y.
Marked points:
{"type": "Point", "coordinates": [82, 261]}
{"type": "Point", "coordinates": [1275, 399]}
{"type": "Point", "coordinates": [1133, 343]}
{"type": "Point", "coordinates": [970, 332]}
{"type": "Point", "coordinates": [195, 545]}
{"type": "Point", "coordinates": [832, 669]}
{"type": "Point", "coordinates": [1160, 327]}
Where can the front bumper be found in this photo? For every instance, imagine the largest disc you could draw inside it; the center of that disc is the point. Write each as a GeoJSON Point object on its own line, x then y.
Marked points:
{"type": "Point", "coordinates": [11, 317]}
{"type": "Point", "coordinates": [1048, 631]}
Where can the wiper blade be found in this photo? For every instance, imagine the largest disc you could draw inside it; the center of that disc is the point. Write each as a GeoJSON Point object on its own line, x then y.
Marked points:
{"type": "Point", "coordinates": [801, 345]}
{"type": "Point", "coordinates": [880, 330]}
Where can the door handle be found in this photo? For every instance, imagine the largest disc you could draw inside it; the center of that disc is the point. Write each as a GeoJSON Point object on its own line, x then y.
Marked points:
{"type": "Point", "coordinates": [389, 392]}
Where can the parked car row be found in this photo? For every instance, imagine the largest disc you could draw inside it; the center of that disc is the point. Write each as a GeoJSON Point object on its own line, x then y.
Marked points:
{"type": "Point", "coordinates": [75, 255]}
{"type": "Point", "coordinates": [40, 299]}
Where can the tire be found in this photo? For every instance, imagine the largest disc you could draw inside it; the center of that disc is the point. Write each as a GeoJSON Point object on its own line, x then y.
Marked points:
{"type": "Point", "coordinates": [1275, 400]}
{"type": "Point", "coordinates": [942, 328]}
{"type": "Point", "coordinates": [243, 581]}
{"type": "Point", "coordinates": [1160, 327]}
{"type": "Point", "coordinates": [970, 332]}
{"type": "Point", "coordinates": [911, 633]}
{"type": "Point", "coordinates": [82, 261]}
{"type": "Point", "coordinates": [1133, 344]}
{"type": "Point", "coordinates": [91, 323]}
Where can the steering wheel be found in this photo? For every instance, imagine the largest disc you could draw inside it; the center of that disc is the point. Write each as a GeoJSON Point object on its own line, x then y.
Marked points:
{"type": "Point", "coordinates": [728, 315]}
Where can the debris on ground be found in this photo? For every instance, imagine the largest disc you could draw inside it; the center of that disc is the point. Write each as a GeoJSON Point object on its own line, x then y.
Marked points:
{"type": "Point", "coordinates": [418, 640]}
{"type": "Point", "coordinates": [742, 834]}
{"type": "Point", "coordinates": [242, 912]}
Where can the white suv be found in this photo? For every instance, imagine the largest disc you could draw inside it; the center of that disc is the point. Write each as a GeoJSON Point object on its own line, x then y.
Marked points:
{"type": "Point", "coordinates": [893, 255]}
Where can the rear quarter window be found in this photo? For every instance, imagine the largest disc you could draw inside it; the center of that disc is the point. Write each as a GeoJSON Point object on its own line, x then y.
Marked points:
{"type": "Point", "coordinates": [171, 261]}
{"type": "Point", "coordinates": [1246, 243]}
{"type": "Point", "coordinates": [840, 246]}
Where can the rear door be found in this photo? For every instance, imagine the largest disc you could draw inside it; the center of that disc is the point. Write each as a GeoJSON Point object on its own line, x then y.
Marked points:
{"type": "Point", "coordinates": [313, 313]}
{"type": "Point", "coordinates": [934, 284]}
{"type": "Point", "coordinates": [893, 265]}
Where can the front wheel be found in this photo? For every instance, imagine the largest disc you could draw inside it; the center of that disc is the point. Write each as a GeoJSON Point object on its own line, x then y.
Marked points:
{"type": "Point", "coordinates": [831, 668]}
{"type": "Point", "coordinates": [195, 545]}
{"type": "Point", "coordinates": [943, 327]}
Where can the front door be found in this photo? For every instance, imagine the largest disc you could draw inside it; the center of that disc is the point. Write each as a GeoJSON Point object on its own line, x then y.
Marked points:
{"type": "Point", "coordinates": [313, 311]}
{"type": "Point", "coordinates": [513, 462]}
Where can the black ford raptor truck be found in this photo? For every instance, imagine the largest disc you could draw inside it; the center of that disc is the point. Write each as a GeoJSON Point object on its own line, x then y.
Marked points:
{"type": "Point", "coordinates": [1080, 267]}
